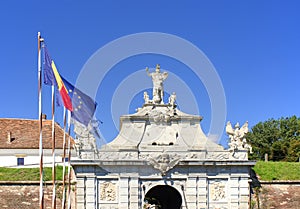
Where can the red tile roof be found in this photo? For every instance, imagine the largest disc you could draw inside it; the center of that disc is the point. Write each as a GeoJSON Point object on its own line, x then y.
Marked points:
{"type": "Point", "coordinates": [24, 134]}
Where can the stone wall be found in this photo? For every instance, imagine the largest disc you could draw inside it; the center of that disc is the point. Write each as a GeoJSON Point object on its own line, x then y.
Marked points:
{"type": "Point", "coordinates": [26, 196]}
{"type": "Point", "coordinates": [278, 195]}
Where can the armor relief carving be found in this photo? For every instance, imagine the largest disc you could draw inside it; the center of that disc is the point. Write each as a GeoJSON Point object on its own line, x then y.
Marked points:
{"type": "Point", "coordinates": [108, 191]}
{"type": "Point", "coordinates": [217, 190]}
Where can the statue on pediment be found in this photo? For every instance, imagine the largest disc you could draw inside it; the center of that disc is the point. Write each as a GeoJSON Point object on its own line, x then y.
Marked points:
{"type": "Point", "coordinates": [172, 100]}
{"type": "Point", "coordinates": [85, 141]}
{"type": "Point", "coordinates": [158, 88]}
{"type": "Point", "coordinates": [237, 136]}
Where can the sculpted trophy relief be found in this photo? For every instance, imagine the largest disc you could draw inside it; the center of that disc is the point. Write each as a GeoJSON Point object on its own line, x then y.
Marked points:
{"type": "Point", "coordinates": [237, 136]}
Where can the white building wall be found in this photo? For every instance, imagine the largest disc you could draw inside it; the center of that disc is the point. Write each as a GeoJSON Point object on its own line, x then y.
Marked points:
{"type": "Point", "coordinates": [8, 158]}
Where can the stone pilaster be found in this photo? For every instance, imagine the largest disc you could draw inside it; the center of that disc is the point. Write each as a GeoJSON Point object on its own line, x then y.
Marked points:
{"type": "Point", "coordinates": [90, 193]}
{"type": "Point", "coordinates": [244, 192]}
{"type": "Point", "coordinates": [234, 192]}
{"type": "Point", "coordinates": [202, 192]}
{"type": "Point", "coordinates": [80, 193]}
{"type": "Point", "coordinates": [123, 193]}
{"type": "Point", "coordinates": [191, 192]}
{"type": "Point", "coordinates": [134, 192]}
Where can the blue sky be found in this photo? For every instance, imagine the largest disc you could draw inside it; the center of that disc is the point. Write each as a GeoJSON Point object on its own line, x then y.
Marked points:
{"type": "Point", "coordinates": [253, 46]}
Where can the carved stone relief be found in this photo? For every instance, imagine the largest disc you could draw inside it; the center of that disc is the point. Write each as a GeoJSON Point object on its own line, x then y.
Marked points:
{"type": "Point", "coordinates": [164, 162]}
{"type": "Point", "coordinates": [217, 155]}
{"type": "Point", "coordinates": [239, 155]}
{"type": "Point", "coordinates": [108, 191]}
{"type": "Point", "coordinates": [108, 155]}
{"type": "Point", "coordinates": [161, 116]}
{"type": "Point", "coordinates": [128, 155]}
{"type": "Point", "coordinates": [217, 190]}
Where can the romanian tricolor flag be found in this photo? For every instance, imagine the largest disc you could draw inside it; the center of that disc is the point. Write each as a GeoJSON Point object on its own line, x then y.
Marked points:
{"type": "Point", "coordinates": [52, 77]}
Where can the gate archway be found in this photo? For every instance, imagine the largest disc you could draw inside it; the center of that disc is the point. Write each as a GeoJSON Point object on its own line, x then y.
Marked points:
{"type": "Point", "coordinates": [163, 197]}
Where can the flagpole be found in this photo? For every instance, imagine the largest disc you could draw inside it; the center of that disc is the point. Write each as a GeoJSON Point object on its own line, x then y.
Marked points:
{"type": "Point", "coordinates": [41, 196]}
{"type": "Point", "coordinates": [53, 152]}
{"type": "Point", "coordinates": [69, 159]}
{"type": "Point", "coordinates": [64, 162]}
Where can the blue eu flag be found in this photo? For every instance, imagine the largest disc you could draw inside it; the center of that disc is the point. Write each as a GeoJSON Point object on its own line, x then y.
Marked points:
{"type": "Point", "coordinates": [83, 106]}
{"type": "Point", "coordinates": [49, 78]}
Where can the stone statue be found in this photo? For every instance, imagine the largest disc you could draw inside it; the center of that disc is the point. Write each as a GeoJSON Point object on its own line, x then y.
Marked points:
{"type": "Point", "coordinates": [238, 137]}
{"type": "Point", "coordinates": [85, 141]}
{"type": "Point", "coordinates": [158, 79]}
{"type": "Point", "coordinates": [146, 98]}
{"type": "Point", "coordinates": [172, 99]}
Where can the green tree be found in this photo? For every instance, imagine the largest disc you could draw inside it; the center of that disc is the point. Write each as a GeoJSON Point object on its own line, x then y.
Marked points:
{"type": "Point", "coordinates": [294, 151]}
{"type": "Point", "coordinates": [262, 136]}
{"type": "Point", "coordinates": [280, 139]}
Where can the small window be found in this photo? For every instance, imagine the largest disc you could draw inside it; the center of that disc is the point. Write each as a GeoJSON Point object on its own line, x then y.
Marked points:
{"type": "Point", "coordinates": [66, 159]}
{"type": "Point", "coordinates": [20, 161]}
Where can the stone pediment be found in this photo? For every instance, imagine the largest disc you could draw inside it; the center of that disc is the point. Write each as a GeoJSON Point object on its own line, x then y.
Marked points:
{"type": "Point", "coordinates": [161, 126]}
{"type": "Point", "coordinates": [158, 125]}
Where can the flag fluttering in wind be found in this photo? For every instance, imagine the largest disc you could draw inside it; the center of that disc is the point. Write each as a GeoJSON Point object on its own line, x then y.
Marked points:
{"type": "Point", "coordinates": [52, 77]}
{"type": "Point", "coordinates": [83, 106]}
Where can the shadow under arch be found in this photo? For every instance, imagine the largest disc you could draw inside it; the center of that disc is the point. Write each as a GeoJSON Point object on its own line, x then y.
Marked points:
{"type": "Point", "coordinates": [163, 197]}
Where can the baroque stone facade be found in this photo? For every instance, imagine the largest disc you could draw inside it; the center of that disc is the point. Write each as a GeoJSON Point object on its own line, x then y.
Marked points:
{"type": "Point", "coordinates": [162, 159]}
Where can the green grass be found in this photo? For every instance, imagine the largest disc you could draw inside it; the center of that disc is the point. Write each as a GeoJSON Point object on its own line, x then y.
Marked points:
{"type": "Point", "coordinates": [28, 174]}
{"type": "Point", "coordinates": [269, 171]}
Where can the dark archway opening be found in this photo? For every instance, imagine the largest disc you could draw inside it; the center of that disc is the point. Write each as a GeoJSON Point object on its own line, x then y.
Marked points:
{"type": "Point", "coordinates": [164, 197]}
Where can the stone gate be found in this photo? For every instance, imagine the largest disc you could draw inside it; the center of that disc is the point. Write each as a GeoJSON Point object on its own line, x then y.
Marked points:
{"type": "Point", "coordinates": [162, 159]}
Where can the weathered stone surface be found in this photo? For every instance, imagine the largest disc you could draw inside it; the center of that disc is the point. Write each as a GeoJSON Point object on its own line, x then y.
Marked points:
{"type": "Point", "coordinates": [26, 196]}
{"type": "Point", "coordinates": [278, 196]}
